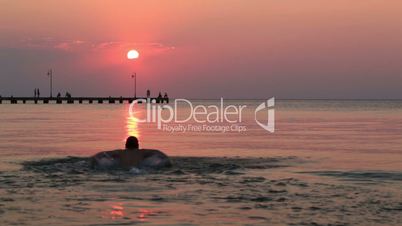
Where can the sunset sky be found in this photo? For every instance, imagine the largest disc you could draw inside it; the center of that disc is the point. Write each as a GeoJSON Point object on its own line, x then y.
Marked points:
{"type": "Point", "coordinates": [204, 48]}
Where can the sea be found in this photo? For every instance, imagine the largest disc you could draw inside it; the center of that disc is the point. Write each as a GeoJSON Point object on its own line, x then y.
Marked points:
{"type": "Point", "coordinates": [323, 162]}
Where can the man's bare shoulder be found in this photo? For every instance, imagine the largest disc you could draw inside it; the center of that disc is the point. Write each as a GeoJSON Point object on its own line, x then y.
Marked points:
{"type": "Point", "coordinates": [149, 152]}
{"type": "Point", "coordinates": [106, 159]}
{"type": "Point", "coordinates": [109, 154]}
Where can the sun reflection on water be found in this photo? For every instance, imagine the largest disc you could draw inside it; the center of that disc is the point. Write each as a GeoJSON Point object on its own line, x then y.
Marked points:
{"type": "Point", "coordinates": [117, 211]}
{"type": "Point", "coordinates": [132, 126]}
{"type": "Point", "coordinates": [144, 213]}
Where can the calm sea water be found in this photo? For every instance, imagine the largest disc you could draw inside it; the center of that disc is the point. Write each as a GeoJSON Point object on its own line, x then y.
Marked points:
{"type": "Point", "coordinates": [328, 141]}
{"type": "Point", "coordinates": [343, 134]}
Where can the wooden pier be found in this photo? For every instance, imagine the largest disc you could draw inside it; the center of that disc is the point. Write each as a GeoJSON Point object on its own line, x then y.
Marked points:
{"type": "Point", "coordinates": [81, 100]}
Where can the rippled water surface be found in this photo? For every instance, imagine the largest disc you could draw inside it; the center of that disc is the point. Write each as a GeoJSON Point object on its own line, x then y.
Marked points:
{"type": "Point", "coordinates": [328, 162]}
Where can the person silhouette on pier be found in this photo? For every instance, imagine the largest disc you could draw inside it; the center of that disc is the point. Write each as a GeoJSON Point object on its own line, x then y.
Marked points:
{"type": "Point", "coordinates": [165, 96]}
{"type": "Point", "coordinates": [37, 93]}
{"type": "Point", "coordinates": [160, 95]}
{"type": "Point", "coordinates": [58, 95]}
{"type": "Point", "coordinates": [148, 93]}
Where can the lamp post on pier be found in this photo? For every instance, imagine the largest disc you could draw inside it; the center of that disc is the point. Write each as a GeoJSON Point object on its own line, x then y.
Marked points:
{"type": "Point", "coordinates": [50, 75]}
{"type": "Point", "coordinates": [134, 77]}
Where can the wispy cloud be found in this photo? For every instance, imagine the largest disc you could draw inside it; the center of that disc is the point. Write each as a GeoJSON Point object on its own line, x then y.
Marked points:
{"type": "Point", "coordinates": [85, 45]}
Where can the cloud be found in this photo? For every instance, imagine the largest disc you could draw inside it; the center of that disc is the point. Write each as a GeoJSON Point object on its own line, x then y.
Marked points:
{"type": "Point", "coordinates": [149, 45]}
{"type": "Point", "coordinates": [70, 45]}
{"type": "Point", "coordinates": [85, 45]}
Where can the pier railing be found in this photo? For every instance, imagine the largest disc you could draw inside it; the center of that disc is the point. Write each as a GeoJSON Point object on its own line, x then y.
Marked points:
{"type": "Point", "coordinates": [80, 100]}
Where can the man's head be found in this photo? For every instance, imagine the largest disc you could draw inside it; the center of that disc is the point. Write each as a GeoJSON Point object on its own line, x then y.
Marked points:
{"type": "Point", "coordinates": [132, 143]}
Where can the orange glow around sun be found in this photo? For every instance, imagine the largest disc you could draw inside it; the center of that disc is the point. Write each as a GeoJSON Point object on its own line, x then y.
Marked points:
{"type": "Point", "coordinates": [133, 54]}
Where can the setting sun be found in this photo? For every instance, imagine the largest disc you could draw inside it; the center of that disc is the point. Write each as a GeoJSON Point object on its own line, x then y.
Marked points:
{"type": "Point", "coordinates": [132, 54]}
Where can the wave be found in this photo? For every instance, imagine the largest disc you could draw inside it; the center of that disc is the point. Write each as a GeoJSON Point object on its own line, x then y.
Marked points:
{"type": "Point", "coordinates": [361, 175]}
{"type": "Point", "coordinates": [180, 165]}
